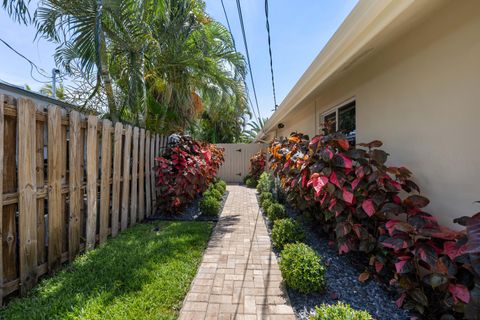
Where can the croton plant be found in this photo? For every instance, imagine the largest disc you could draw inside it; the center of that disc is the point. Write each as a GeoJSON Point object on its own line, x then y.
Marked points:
{"type": "Point", "coordinates": [257, 165]}
{"type": "Point", "coordinates": [184, 170]}
{"type": "Point", "coordinates": [369, 207]}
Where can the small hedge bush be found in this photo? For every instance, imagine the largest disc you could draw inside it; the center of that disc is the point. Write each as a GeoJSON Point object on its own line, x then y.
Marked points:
{"type": "Point", "coordinates": [265, 196]}
{"type": "Point", "coordinates": [212, 192]}
{"type": "Point", "coordinates": [266, 204]}
{"type": "Point", "coordinates": [286, 231]}
{"type": "Point", "coordinates": [301, 268]}
{"type": "Point", "coordinates": [339, 311]}
{"type": "Point", "coordinates": [210, 206]}
{"type": "Point", "coordinates": [251, 183]}
{"type": "Point", "coordinates": [276, 211]}
{"type": "Point", "coordinates": [221, 186]}
{"type": "Point", "coordinates": [265, 183]}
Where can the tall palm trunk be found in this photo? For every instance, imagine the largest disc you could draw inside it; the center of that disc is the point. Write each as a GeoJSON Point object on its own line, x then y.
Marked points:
{"type": "Point", "coordinates": [102, 63]}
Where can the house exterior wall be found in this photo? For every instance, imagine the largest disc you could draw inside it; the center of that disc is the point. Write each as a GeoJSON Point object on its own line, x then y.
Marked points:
{"type": "Point", "coordinates": [420, 95]}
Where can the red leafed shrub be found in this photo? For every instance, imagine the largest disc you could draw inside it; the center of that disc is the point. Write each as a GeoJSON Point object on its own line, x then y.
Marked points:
{"type": "Point", "coordinates": [185, 170]}
{"type": "Point", "coordinates": [357, 200]}
{"type": "Point", "coordinates": [257, 165]}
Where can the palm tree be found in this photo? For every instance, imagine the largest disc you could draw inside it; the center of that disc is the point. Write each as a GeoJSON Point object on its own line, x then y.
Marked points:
{"type": "Point", "coordinates": [79, 29]}
{"type": "Point", "coordinates": [255, 127]}
{"type": "Point", "coordinates": [194, 58]}
{"type": "Point", "coordinates": [18, 10]}
{"type": "Point", "coordinates": [160, 63]}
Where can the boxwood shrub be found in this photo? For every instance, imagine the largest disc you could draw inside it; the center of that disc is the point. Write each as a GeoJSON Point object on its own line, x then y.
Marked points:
{"type": "Point", "coordinates": [266, 204]}
{"type": "Point", "coordinates": [221, 186]}
{"type": "Point", "coordinates": [265, 183]}
{"type": "Point", "coordinates": [302, 268]}
{"type": "Point", "coordinates": [212, 192]}
{"type": "Point", "coordinates": [286, 231]}
{"type": "Point", "coordinates": [276, 211]}
{"type": "Point", "coordinates": [265, 196]}
{"type": "Point", "coordinates": [210, 206]}
{"type": "Point", "coordinates": [251, 183]}
{"type": "Point", "coordinates": [339, 311]}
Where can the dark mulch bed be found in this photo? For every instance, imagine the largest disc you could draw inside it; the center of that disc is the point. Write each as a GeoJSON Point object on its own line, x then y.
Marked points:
{"type": "Point", "coordinates": [190, 213]}
{"type": "Point", "coordinates": [342, 282]}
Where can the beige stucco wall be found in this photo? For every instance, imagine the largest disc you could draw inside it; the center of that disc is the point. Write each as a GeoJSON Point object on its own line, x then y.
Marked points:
{"type": "Point", "coordinates": [420, 95]}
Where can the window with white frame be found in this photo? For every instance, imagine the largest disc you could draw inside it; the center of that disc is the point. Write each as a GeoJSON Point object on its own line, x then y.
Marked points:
{"type": "Point", "coordinates": [341, 119]}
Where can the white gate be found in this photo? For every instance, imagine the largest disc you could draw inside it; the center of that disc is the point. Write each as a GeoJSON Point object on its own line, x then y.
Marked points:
{"type": "Point", "coordinates": [237, 160]}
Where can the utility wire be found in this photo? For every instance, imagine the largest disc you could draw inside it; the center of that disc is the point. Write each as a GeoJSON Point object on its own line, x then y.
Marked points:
{"type": "Point", "coordinates": [235, 47]}
{"type": "Point", "coordinates": [240, 16]}
{"type": "Point", "coordinates": [270, 53]}
{"type": "Point", "coordinates": [32, 64]}
{"type": "Point", "coordinates": [228, 25]}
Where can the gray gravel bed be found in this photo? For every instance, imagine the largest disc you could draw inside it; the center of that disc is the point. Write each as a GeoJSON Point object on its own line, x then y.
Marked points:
{"type": "Point", "coordinates": [342, 283]}
{"type": "Point", "coordinates": [191, 212]}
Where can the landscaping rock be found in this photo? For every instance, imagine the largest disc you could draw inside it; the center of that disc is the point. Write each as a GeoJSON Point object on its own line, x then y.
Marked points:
{"type": "Point", "coordinates": [342, 283]}
{"type": "Point", "coordinates": [191, 213]}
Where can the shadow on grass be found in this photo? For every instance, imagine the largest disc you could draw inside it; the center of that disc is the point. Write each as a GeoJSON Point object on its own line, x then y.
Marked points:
{"type": "Point", "coordinates": [144, 273]}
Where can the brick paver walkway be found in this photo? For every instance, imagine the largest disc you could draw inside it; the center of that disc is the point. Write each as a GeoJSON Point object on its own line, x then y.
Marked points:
{"type": "Point", "coordinates": [239, 276]}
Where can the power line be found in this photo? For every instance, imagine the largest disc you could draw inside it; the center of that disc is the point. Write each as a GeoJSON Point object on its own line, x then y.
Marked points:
{"type": "Point", "coordinates": [235, 47]}
{"type": "Point", "coordinates": [240, 16]}
{"type": "Point", "coordinates": [270, 53]}
{"type": "Point", "coordinates": [32, 64]}
{"type": "Point", "coordinates": [228, 25]}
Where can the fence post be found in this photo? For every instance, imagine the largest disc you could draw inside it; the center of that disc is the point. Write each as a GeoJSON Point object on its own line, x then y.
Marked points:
{"type": "Point", "coordinates": [2, 131]}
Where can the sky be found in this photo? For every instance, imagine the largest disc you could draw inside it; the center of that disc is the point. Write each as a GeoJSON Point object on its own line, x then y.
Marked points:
{"type": "Point", "coordinates": [299, 30]}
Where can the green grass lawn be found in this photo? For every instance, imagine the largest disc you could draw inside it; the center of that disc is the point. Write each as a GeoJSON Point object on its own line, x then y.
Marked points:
{"type": "Point", "coordinates": [144, 273]}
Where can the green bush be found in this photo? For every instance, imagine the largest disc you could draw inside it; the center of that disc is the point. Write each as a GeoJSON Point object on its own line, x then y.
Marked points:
{"type": "Point", "coordinates": [212, 192]}
{"type": "Point", "coordinates": [265, 196]}
{"type": "Point", "coordinates": [251, 183]}
{"type": "Point", "coordinates": [210, 206]}
{"type": "Point", "coordinates": [276, 211]}
{"type": "Point", "coordinates": [339, 311]}
{"type": "Point", "coordinates": [221, 186]}
{"type": "Point", "coordinates": [266, 204]}
{"type": "Point", "coordinates": [302, 268]}
{"type": "Point", "coordinates": [265, 183]}
{"type": "Point", "coordinates": [286, 231]}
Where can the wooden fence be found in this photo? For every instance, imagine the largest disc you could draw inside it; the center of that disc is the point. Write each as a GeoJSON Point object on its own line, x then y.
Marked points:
{"type": "Point", "coordinates": [69, 181]}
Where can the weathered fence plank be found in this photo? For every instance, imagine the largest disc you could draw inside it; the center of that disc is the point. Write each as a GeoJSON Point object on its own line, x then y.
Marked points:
{"type": "Point", "coordinates": [105, 179]}
{"type": "Point", "coordinates": [64, 180]}
{"type": "Point", "coordinates": [40, 180]}
{"type": "Point", "coordinates": [55, 215]}
{"type": "Point", "coordinates": [141, 177]}
{"type": "Point", "coordinates": [134, 198]}
{"type": "Point", "coordinates": [126, 177]}
{"type": "Point", "coordinates": [92, 175]}
{"type": "Point", "coordinates": [148, 188]}
{"type": "Point", "coordinates": [27, 195]}
{"type": "Point", "coordinates": [117, 174]}
{"type": "Point", "coordinates": [9, 223]}
{"type": "Point", "coordinates": [152, 173]}
{"type": "Point", "coordinates": [75, 185]}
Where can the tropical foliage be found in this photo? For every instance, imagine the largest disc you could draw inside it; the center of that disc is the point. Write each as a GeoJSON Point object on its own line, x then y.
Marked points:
{"type": "Point", "coordinates": [185, 170]}
{"type": "Point", "coordinates": [163, 64]}
{"type": "Point", "coordinates": [358, 200]}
